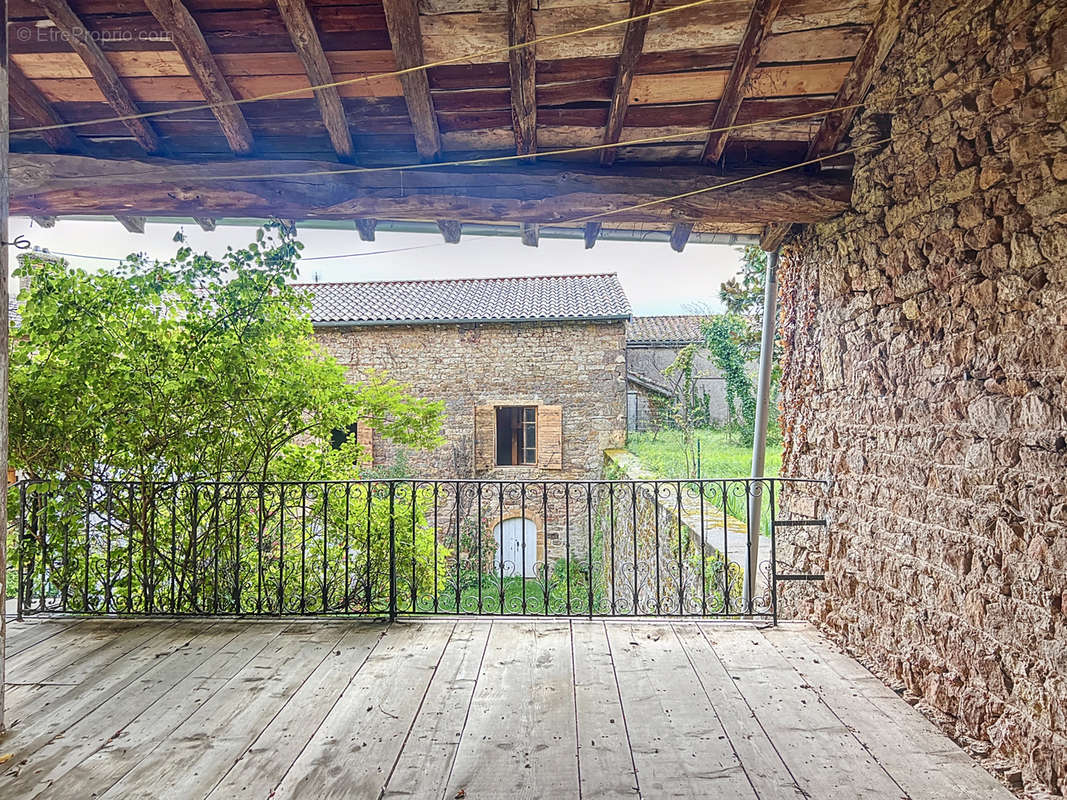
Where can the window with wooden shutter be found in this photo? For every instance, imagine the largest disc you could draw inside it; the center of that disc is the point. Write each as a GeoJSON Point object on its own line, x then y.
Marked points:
{"type": "Point", "coordinates": [484, 437]}
{"type": "Point", "coordinates": [550, 437]}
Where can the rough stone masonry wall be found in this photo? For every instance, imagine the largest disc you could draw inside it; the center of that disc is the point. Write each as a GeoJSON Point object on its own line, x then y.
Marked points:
{"type": "Point", "coordinates": [926, 371]}
{"type": "Point", "coordinates": [579, 366]}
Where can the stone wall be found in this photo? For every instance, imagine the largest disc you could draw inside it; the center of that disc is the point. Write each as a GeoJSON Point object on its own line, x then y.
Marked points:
{"type": "Point", "coordinates": [579, 367]}
{"type": "Point", "coordinates": [925, 370]}
{"type": "Point", "coordinates": [649, 362]}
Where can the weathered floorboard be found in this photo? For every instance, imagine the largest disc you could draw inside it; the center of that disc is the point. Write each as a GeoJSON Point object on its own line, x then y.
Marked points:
{"type": "Point", "coordinates": [426, 760]}
{"type": "Point", "coordinates": [519, 742]}
{"type": "Point", "coordinates": [127, 747]}
{"type": "Point", "coordinates": [605, 764]}
{"type": "Point", "coordinates": [918, 760]}
{"type": "Point", "coordinates": [257, 771]}
{"type": "Point", "coordinates": [678, 744]}
{"type": "Point", "coordinates": [803, 728]}
{"type": "Point", "coordinates": [507, 709]}
{"type": "Point", "coordinates": [354, 749]}
{"type": "Point", "coordinates": [189, 762]}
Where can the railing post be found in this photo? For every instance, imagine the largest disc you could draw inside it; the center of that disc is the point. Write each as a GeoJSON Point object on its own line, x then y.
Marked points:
{"type": "Point", "coordinates": [392, 551]}
{"type": "Point", "coordinates": [22, 544]}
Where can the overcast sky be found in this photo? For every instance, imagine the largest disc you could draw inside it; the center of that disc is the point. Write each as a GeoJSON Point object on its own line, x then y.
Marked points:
{"type": "Point", "coordinates": [656, 279]}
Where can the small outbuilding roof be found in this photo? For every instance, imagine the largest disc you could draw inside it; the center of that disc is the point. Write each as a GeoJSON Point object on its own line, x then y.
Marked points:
{"type": "Point", "coordinates": [519, 299]}
{"type": "Point", "coordinates": [674, 330]}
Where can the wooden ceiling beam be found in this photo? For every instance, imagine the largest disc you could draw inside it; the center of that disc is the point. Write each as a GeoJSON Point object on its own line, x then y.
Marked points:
{"type": "Point", "coordinates": [405, 33]}
{"type": "Point", "coordinates": [80, 38]}
{"type": "Point", "coordinates": [748, 55]}
{"type": "Point", "coordinates": [27, 100]}
{"type": "Point", "coordinates": [680, 235]}
{"type": "Point", "coordinates": [451, 230]}
{"type": "Point", "coordinates": [188, 40]}
{"type": "Point", "coordinates": [365, 228]}
{"type": "Point", "coordinates": [590, 234]}
{"type": "Point", "coordinates": [872, 54]}
{"type": "Point", "coordinates": [308, 45]}
{"type": "Point", "coordinates": [522, 67]}
{"type": "Point", "coordinates": [52, 184]}
{"type": "Point", "coordinates": [633, 44]}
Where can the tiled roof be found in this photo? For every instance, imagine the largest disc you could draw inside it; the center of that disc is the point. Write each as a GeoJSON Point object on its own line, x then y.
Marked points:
{"type": "Point", "coordinates": [680, 329]}
{"type": "Point", "coordinates": [554, 297]}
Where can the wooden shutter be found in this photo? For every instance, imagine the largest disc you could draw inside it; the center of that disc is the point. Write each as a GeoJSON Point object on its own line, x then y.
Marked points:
{"type": "Point", "coordinates": [484, 437]}
{"type": "Point", "coordinates": [550, 437]}
{"type": "Point", "coordinates": [365, 439]}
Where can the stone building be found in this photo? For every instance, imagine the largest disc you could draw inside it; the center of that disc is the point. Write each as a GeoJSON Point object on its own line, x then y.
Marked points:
{"type": "Point", "coordinates": [531, 370]}
{"type": "Point", "coordinates": [652, 345]}
{"type": "Point", "coordinates": [926, 371]}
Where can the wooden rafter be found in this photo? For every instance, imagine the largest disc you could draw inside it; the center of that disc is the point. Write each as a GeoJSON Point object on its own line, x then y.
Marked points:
{"type": "Point", "coordinates": [130, 223]}
{"type": "Point", "coordinates": [530, 233]}
{"type": "Point", "coordinates": [451, 230]}
{"type": "Point", "coordinates": [111, 86]}
{"type": "Point", "coordinates": [538, 194]}
{"type": "Point", "coordinates": [35, 109]}
{"type": "Point", "coordinates": [590, 234]}
{"type": "Point", "coordinates": [305, 38]}
{"type": "Point", "coordinates": [632, 45]}
{"type": "Point", "coordinates": [880, 40]}
{"type": "Point", "coordinates": [522, 64]}
{"type": "Point", "coordinates": [405, 33]}
{"type": "Point", "coordinates": [187, 39]}
{"type": "Point", "coordinates": [773, 235]}
{"type": "Point", "coordinates": [748, 55]}
{"type": "Point", "coordinates": [680, 235]}
{"type": "Point", "coordinates": [365, 227]}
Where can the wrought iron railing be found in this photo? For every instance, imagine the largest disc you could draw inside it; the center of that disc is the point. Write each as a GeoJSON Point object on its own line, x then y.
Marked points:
{"type": "Point", "coordinates": [389, 548]}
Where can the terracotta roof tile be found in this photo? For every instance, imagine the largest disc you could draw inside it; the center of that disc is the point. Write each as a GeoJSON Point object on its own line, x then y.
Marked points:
{"type": "Point", "coordinates": [552, 297]}
{"type": "Point", "coordinates": [680, 329]}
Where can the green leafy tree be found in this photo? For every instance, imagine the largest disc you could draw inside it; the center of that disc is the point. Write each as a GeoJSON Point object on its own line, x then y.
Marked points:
{"type": "Point", "coordinates": [200, 370]}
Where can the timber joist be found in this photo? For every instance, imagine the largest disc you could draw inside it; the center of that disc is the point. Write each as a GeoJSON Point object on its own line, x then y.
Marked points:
{"type": "Point", "coordinates": [349, 82]}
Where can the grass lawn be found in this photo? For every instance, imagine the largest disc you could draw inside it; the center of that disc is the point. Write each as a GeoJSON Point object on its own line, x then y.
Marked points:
{"type": "Point", "coordinates": [664, 455]}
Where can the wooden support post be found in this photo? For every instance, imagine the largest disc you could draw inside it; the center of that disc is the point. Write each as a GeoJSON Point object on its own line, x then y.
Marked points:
{"type": "Point", "coordinates": [592, 231]}
{"type": "Point", "coordinates": [5, 126]}
{"type": "Point", "coordinates": [366, 229]}
{"type": "Point", "coordinates": [207, 223]}
{"type": "Point", "coordinates": [132, 224]}
{"type": "Point", "coordinates": [44, 222]}
{"type": "Point", "coordinates": [680, 235]}
{"type": "Point", "coordinates": [451, 229]}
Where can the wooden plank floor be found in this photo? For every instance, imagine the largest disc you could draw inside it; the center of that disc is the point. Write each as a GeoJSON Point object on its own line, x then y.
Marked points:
{"type": "Point", "coordinates": [471, 709]}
